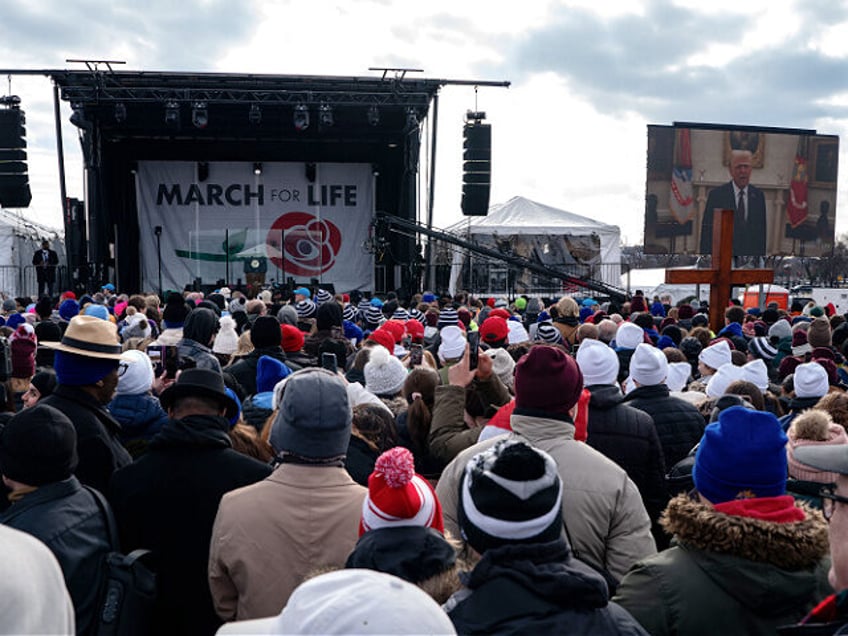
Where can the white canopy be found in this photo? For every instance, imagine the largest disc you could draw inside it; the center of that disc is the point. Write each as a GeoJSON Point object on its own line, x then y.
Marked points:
{"type": "Point", "coordinates": [548, 235]}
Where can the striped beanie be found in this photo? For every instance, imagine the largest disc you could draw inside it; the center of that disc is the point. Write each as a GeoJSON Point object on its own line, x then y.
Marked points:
{"type": "Point", "coordinates": [447, 318]}
{"type": "Point", "coordinates": [397, 496]}
{"type": "Point", "coordinates": [400, 314]}
{"type": "Point", "coordinates": [762, 348]}
{"type": "Point", "coordinates": [305, 309]}
{"type": "Point", "coordinates": [349, 312]}
{"type": "Point", "coordinates": [322, 296]}
{"type": "Point", "coordinates": [510, 493]}
{"type": "Point", "coordinates": [546, 332]}
{"type": "Point", "coordinates": [373, 316]}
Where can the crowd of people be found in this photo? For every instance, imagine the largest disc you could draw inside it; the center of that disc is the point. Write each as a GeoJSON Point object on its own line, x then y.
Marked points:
{"type": "Point", "coordinates": [343, 463]}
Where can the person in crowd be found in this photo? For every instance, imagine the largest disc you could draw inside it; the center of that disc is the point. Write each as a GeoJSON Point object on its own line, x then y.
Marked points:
{"type": "Point", "coordinates": [37, 459]}
{"type": "Point", "coordinates": [87, 360]}
{"type": "Point", "coordinates": [260, 552]}
{"type": "Point", "coordinates": [198, 335]}
{"type": "Point", "coordinates": [413, 425]}
{"type": "Point", "coordinates": [747, 557]}
{"type": "Point", "coordinates": [679, 424]}
{"type": "Point", "coordinates": [627, 338]}
{"type": "Point", "coordinates": [510, 512]}
{"type": "Point", "coordinates": [811, 384]}
{"type": "Point", "coordinates": [45, 261]}
{"type": "Point", "coordinates": [292, 344]}
{"type": "Point", "coordinates": [328, 323]}
{"type": "Point", "coordinates": [372, 433]}
{"type": "Point", "coordinates": [226, 340]}
{"type": "Point", "coordinates": [140, 415]}
{"type": "Point", "coordinates": [266, 337]}
{"type": "Point", "coordinates": [710, 359]}
{"type": "Point", "coordinates": [41, 385]}
{"type": "Point", "coordinates": [384, 377]}
{"type": "Point", "coordinates": [813, 427]}
{"type": "Point", "coordinates": [166, 501]}
{"type": "Point", "coordinates": [23, 344]}
{"type": "Point", "coordinates": [258, 406]}
{"type": "Point", "coordinates": [602, 513]}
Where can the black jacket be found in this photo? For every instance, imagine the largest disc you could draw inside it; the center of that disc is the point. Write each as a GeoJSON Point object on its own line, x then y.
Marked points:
{"type": "Point", "coordinates": [245, 369]}
{"type": "Point", "coordinates": [628, 437]}
{"type": "Point", "coordinates": [66, 518]}
{"type": "Point", "coordinates": [166, 502]}
{"type": "Point", "coordinates": [536, 589]}
{"type": "Point", "coordinates": [98, 443]}
{"type": "Point", "coordinates": [679, 424]}
{"type": "Point", "coordinates": [360, 460]}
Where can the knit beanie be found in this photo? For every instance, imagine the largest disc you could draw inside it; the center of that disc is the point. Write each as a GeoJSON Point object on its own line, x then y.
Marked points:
{"type": "Point", "coordinates": [314, 416]}
{"type": "Point", "coordinates": [287, 315]}
{"type": "Point", "coordinates": [396, 328]}
{"type": "Point", "coordinates": [10, 305]}
{"type": "Point", "coordinates": [716, 355]}
{"type": "Point", "coordinates": [292, 338]}
{"type": "Point", "coordinates": [384, 373]}
{"type": "Point", "coordinates": [383, 337]}
{"type": "Point", "coordinates": [45, 381]}
{"type": "Point", "coordinates": [14, 320]}
{"type": "Point", "coordinates": [322, 296]}
{"type": "Point", "coordinates": [175, 312]}
{"type": "Point", "coordinates": [415, 330]}
{"type": "Point", "coordinates": [349, 312]}
{"type": "Point", "coordinates": [517, 332]}
{"type": "Point", "coordinates": [547, 381]}
{"type": "Point", "coordinates": [503, 365]}
{"type": "Point", "coordinates": [23, 344]}
{"type": "Point", "coordinates": [549, 334]}
{"type": "Point", "coordinates": [397, 496]}
{"type": "Point", "coordinates": [810, 380]}
{"type": "Point", "coordinates": [270, 371]}
{"type": "Point", "coordinates": [38, 446]}
{"type": "Point", "coordinates": [453, 343]}
{"type": "Point", "coordinates": [648, 366]}
{"type": "Point", "coordinates": [598, 362]}
{"type": "Point", "coordinates": [68, 309]}
{"type": "Point", "coordinates": [265, 332]}
{"type": "Point", "coordinates": [762, 348]}
{"type": "Point", "coordinates": [447, 318]}
{"type": "Point", "coordinates": [226, 340]}
{"type": "Point", "coordinates": [818, 335]}
{"type": "Point", "coordinates": [352, 331]}
{"type": "Point", "coordinates": [305, 309]}
{"type": "Point", "coordinates": [137, 376]}
{"type": "Point", "coordinates": [510, 493]}
{"type": "Point", "coordinates": [373, 317]}
{"type": "Point", "coordinates": [691, 347]}
{"type": "Point", "coordinates": [629, 335]}
{"type": "Point", "coordinates": [328, 315]}
{"type": "Point", "coordinates": [813, 427]}
{"type": "Point", "coordinates": [76, 370]}
{"type": "Point", "coordinates": [723, 377]}
{"type": "Point", "coordinates": [741, 455]}
{"type": "Point", "coordinates": [678, 375]}
{"type": "Point", "coordinates": [137, 327]}
{"type": "Point", "coordinates": [780, 330]}
{"type": "Point", "coordinates": [400, 314]}
{"type": "Point", "coordinates": [494, 330]}
{"type": "Point", "coordinates": [756, 373]}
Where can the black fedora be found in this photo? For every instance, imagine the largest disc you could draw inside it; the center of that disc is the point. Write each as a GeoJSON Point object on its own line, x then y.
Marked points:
{"type": "Point", "coordinates": [199, 383]}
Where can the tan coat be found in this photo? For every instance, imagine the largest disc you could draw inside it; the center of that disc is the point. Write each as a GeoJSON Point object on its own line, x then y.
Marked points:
{"type": "Point", "coordinates": [268, 536]}
{"type": "Point", "coordinates": [607, 522]}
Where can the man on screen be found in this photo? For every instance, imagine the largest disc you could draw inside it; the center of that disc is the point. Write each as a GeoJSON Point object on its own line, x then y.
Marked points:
{"type": "Point", "coordinates": [749, 221]}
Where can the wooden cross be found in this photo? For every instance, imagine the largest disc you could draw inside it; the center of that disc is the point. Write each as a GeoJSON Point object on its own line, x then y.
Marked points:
{"type": "Point", "coordinates": [721, 277]}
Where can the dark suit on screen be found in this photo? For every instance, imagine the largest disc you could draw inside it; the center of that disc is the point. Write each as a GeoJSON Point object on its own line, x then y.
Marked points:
{"type": "Point", "coordinates": [749, 239]}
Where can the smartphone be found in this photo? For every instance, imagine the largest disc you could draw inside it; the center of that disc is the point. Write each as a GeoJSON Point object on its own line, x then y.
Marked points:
{"type": "Point", "coordinates": [416, 353]}
{"type": "Point", "coordinates": [473, 348]}
{"type": "Point", "coordinates": [328, 361]}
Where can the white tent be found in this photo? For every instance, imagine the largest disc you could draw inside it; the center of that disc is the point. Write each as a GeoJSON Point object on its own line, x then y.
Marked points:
{"type": "Point", "coordinates": [19, 238]}
{"type": "Point", "coordinates": [548, 235]}
{"type": "Point", "coordinates": [651, 281]}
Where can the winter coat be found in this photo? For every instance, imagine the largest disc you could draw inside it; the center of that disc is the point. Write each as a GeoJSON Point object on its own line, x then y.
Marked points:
{"type": "Point", "coordinates": [425, 463]}
{"type": "Point", "coordinates": [607, 523]}
{"type": "Point", "coordinates": [99, 447]}
{"type": "Point", "coordinates": [449, 434]}
{"type": "Point", "coordinates": [679, 424]}
{"type": "Point", "coordinates": [270, 535]}
{"type": "Point", "coordinates": [567, 328]}
{"type": "Point", "coordinates": [728, 574]}
{"type": "Point", "coordinates": [66, 518]}
{"type": "Point", "coordinates": [796, 406]}
{"type": "Point", "coordinates": [245, 369]}
{"type": "Point", "coordinates": [166, 502]}
{"type": "Point", "coordinates": [536, 589]}
{"type": "Point", "coordinates": [628, 437]}
{"type": "Point", "coordinates": [297, 360]}
{"type": "Point", "coordinates": [828, 617]}
{"type": "Point", "coordinates": [200, 355]}
{"type": "Point", "coordinates": [141, 417]}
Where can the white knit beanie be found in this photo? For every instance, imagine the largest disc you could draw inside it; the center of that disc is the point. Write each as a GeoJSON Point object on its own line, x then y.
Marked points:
{"type": "Point", "coordinates": [517, 332]}
{"type": "Point", "coordinates": [648, 366]}
{"type": "Point", "coordinates": [502, 365]}
{"type": "Point", "coordinates": [138, 376]}
{"type": "Point", "coordinates": [678, 375]}
{"type": "Point", "coordinates": [384, 373]}
{"type": "Point", "coordinates": [756, 373]}
{"type": "Point", "coordinates": [453, 343]}
{"type": "Point", "coordinates": [716, 355]}
{"type": "Point", "coordinates": [226, 340]}
{"type": "Point", "coordinates": [598, 363]}
{"type": "Point", "coordinates": [724, 376]}
{"type": "Point", "coordinates": [629, 335]}
{"type": "Point", "coordinates": [810, 380]}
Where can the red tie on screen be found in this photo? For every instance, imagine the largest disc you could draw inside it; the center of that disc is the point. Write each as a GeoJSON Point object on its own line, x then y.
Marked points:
{"type": "Point", "coordinates": [741, 206]}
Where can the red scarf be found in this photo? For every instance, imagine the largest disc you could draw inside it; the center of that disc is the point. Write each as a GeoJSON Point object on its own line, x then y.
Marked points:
{"type": "Point", "coordinates": [780, 509]}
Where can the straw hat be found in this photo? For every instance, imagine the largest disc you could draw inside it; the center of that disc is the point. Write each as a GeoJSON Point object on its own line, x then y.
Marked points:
{"type": "Point", "coordinates": [91, 337]}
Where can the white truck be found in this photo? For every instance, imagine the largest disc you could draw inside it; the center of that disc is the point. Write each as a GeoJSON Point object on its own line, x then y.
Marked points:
{"type": "Point", "coordinates": [821, 296]}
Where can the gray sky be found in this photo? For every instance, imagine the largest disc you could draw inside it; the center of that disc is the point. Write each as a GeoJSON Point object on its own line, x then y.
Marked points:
{"type": "Point", "coordinates": [570, 132]}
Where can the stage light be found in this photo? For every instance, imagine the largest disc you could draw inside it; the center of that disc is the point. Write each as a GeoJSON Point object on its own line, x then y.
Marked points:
{"type": "Point", "coordinates": [120, 112]}
{"type": "Point", "coordinates": [411, 118]}
{"type": "Point", "coordinates": [325, 115]}
{"type": "Point", "coordinates": [301, 117]}
{"type": "Point", "coordinates": [199, 115]}
{"type": "Point", "coordinates": [172, 114]}
{"type": "Point", "coordinates": [255, 115]}
{"type": "Point", "coordinates": [373, 115]}
{"type": "Point", "coordinates": [257, 168]}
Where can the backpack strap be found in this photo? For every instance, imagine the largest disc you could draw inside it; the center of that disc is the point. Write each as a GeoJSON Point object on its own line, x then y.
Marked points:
{"type": "Point", "coordinates": [108, 517]}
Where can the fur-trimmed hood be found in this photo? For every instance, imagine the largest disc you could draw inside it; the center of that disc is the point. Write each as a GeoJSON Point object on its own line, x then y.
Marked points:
{"type": "Point", "coordinates": [789, 546]}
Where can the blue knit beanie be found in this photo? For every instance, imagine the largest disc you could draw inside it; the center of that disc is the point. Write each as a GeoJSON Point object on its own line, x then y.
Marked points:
{"type": "Point", "coordinates": [235, 418]}
{"type": "Point", "coordinates": [14, 320]}
{"type": "Point", "coordinates": [76, 370]}
{"type": "Point", "coordinates": [68, 309]}
{"type": "Point", "coordinates": [352, 331]}
{"type": "Point", "coordinates": [742, 455]}
{"type": "Point", "coordinates": [269, 371]}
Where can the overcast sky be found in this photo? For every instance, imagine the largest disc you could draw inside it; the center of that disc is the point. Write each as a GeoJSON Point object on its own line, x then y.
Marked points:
{"type": "Point", "coordinates": [587, 76]}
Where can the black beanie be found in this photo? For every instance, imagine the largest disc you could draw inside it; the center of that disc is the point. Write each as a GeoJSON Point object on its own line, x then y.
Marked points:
{"type": "Point", "coordinates": [510, 493]}
{"type": "Point", "coordinates": [265, 332]}
{"type": "Point", "coordinates": [45, 381]}
{"type": "Point", "coordinates": [329, 315]}
{"type": "Point", "coordinates": [175, 312]}
{"type": "Point", "coordinates": [38, 446]}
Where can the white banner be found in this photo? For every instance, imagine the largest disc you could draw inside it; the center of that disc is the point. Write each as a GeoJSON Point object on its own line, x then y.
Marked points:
{"type": "Point", "coordinates": [235, 222]}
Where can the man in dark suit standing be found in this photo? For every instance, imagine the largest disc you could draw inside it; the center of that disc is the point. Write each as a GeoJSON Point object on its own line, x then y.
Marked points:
{"type": "Point", "coordinates": [749, 203]}
{"type": "Point", "coordinates": [45, 261]}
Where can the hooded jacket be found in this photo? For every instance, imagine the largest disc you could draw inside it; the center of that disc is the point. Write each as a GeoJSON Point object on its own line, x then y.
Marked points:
{"type": "Point", "coordinates": [141, 418]}
{"type": "Point", "coordinates": [728, 574]}
{"type": "Point", "coordinates": [199, 327]}
{"type": "Point", "coordinates": [536, 589]}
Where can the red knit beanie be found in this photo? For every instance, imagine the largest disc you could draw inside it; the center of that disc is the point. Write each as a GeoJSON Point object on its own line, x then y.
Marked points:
{"type": "Point", "coordinates": [383, 337]}
{"type": "Point", "coordinates": [547, 379]}
{"type": "Point", "coordinates": [292, 338]}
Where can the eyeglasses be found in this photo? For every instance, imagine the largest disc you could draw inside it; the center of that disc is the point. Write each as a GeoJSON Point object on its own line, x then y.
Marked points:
{"type": "Point", "coordinates": [829, 501]}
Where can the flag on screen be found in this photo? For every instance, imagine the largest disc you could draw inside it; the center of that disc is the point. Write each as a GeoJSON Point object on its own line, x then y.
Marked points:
{"type": "Point", "coordinates": [682, 201]}
{"type": "Point", "coordinates": [796, 206]}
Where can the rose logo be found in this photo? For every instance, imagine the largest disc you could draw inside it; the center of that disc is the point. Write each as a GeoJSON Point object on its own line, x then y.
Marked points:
{"type": "Point", "coordinates": [301, 244]}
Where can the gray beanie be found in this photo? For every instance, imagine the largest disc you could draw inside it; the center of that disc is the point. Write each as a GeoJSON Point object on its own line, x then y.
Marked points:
{"type": "Point", "coordinates": [780, 330]}
{"type": "Point", "coordinates": [314, 417]}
